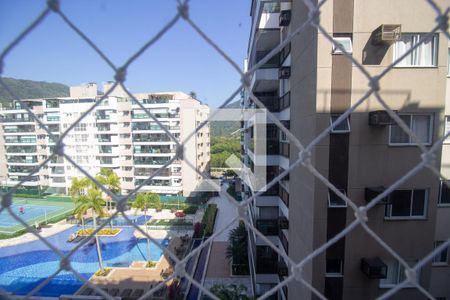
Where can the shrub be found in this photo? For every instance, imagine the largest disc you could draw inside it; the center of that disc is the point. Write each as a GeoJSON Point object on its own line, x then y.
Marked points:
{"type": "Point", "coordinates": [103, 231]}
{"type": "Point", "coordinates": [103, 272]}
{"type": "Point", "coordinates": [190, 210]}
{"type": "Point", "coordinates": [151, 264]}
{"type": "Point", "coordinates": [209, 219]}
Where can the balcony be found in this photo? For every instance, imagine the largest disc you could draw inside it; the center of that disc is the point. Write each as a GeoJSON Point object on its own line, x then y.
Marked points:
{"type": "Point", "coordinates": [153, 150]}
{"type": "Point", "coordinates": [19, 140]}
{"type": "Point", "coordinates": [20, 149]}
{"type": "Point", "coordinates": [19, 129]}
{"type": "Point", "coordinates": [20, 170]}
{"type": "Point", "coordinates": [285, 101]}
{"type": "Point", "coordinates": [14, 119]}
{"type": "Point", "coordinates": [144, 138]}
{"type": "Point", "coordinates": [22, 160]}
{"type": "Point", "coordinates": [154, 182]}
{"type": "Point", "coordinates": [149, 172]}
{"type": "Point", "coordinates": [268, 227]}
{"type": "Point", "coordinates": [150, 161]}
{"type": "Point", "coordinates": [264, 80]}
{"type": "Point", "coordinates": [53, 118]}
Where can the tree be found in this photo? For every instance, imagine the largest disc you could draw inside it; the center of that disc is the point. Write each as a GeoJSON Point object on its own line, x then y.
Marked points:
{"type": "Point", "coordinates": [144, 201]}
{"type": "Point", "coordinates": [193, 95]}
{"type": "Point", "coordinates": [237, 249]}
{"type": "Point", "coordinates": [110, 180]}
{"type": "Point", "coordinates": [92, 200]}
{"type": "Point", "coordinates": [77, 190]}
{"type": "Point", "coordinates": [228, 292]}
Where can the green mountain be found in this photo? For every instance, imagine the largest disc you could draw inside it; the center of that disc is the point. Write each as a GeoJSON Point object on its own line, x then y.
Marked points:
{"type": "Point", "coordinates": [225, 128]}
{"type": "Point", "coordinates": [30, 89]}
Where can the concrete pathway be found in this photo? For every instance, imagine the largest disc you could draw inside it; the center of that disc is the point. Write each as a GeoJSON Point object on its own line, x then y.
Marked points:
{"type": "Point", "coordinates": [226, 212]}
{"type": "Point", "coordinates": [29, 237]}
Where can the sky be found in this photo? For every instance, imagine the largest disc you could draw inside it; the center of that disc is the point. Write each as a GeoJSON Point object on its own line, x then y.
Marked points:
{"type": "Point", "coordinates": [180, 61]}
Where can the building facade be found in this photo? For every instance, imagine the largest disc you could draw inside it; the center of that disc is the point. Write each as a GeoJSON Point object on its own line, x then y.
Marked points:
{"type": "Point", "coordinates": [116, 134]}
{"type": "Point", "coordinates": [307, 86]}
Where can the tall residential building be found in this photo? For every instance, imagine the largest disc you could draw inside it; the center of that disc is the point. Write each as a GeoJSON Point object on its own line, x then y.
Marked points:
{"type": "Point", "coordinates": [308, 85]}
{"type": "Point", "coordinates": [117, 134]}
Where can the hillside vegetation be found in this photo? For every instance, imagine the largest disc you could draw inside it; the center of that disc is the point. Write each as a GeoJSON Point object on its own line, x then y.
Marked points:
{"type": "Point", "coordinates": [30, 89]}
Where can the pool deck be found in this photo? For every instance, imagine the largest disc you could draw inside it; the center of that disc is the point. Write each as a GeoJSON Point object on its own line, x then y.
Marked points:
{"type": "Point", "coordinates": [136, 276]}
{"type": "Point", "coordinates": [46, 231]}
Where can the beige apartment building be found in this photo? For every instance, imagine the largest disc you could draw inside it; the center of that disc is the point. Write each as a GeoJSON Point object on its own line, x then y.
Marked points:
{"type": "Point", "coordinates": [308, 85]}
{"type": "Point", "coordinates": [117, 134]}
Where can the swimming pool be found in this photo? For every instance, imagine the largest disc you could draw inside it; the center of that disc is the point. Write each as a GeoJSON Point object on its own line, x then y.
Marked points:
{"type": "Point", "coordinates": [23, 267]}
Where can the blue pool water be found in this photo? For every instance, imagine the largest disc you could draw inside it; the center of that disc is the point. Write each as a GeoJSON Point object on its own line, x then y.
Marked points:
{"type": "Point", "coordinates": [31, 212]}
{"type": "Point", "coordinates": [24, 266]}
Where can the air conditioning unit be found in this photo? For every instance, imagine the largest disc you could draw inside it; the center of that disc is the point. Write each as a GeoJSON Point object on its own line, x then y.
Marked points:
{"type": "Point", "coordinates": [374, 268]}
{"type": "Point", "coordinates": [387, 34]}
{"type": "Point", "coordinates": [285, 17]}
{"type": "Point", "coordinates": [284, 73]}
{"type": "Point", "coordinates": [371, 193]}
{"type": "Point", "coordinates": [380, 118]}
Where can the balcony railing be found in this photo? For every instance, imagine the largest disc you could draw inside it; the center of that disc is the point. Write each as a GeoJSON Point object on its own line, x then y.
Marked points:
{"type": "Point", "coordinates": [268, 227]}
{"type": "Point", "coordinates": [20, 169]}
{"type": "Point", "coordinates": [19, 159]}
{"type": "Point", "coordinates": [154, 182]}
{"type": "Point", "coordinates": [285, 101]}
{"type": "Point", "coordinates": [150, 150]}
{"type": "Point", "coordinates": [150, 161]}
{"type": "Point", "coordinates": [21, 149]}
{"type": "Point", "coordinates": [53, 118]}
{"type": "Point", "coordinates": [20, 140]}
{"type": "Point", "coordinates": [19, 129]}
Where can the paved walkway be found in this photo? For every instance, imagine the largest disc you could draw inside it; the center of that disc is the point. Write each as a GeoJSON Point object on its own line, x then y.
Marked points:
{"type": "Point", "coordinates": [226, 212]}
{"type": "Point", "coordinates": [29, 237]}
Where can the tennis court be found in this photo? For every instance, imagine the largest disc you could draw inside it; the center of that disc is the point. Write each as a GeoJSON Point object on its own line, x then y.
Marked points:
{"type": "Point", "coordinates": [33, 211]}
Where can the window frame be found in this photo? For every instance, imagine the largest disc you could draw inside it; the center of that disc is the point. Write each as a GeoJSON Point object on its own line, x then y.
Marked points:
{"type": "Point", "coordinates": [334, 274]}
{"type": "Point", "coordinates": [337, 131]}
{"type": "Point", "coordinates": [435, 52]}
{"type": "Point", "coordinates": [338, 51]}
{"type": "Point", "coordinates": [330, 205]}
{"type": "Point", "coordinates": [446, 128]}
{"type": "Point", "coordinates": [400, 274]}
{"type": "Point", "coordinates": [440, 203]}
{"type": "Point", "coordinates": [411, 143]}
{"type": "Point", "coordinates": [436, 262]}
{"type": "Point", "coordinates": [388, 207]}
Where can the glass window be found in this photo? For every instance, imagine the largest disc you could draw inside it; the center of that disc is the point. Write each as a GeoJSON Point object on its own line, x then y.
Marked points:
{"type": "Point", "coordinates": [345, 42]}
{"type": "Point", "coordinates": [447, 128]}
{"type": "Point", "coordinates": [444, 193]}
{"type": "Point", "coordinates": [334, 267]}
{"type": "Point", "coordinates": [342, 127]}
{"type": "Point", "coordinates": [424, 55]}
{"type": "Point", "coordinates": [336, 201]}
{"type": "Point", "coordinates": [407, 203]}
{"type": "Point", "coordinates": [396, 274]}
{"type": "Point", "coordinates": [419, 124]}
{"type": "Point", "coordinates": [442, 257]}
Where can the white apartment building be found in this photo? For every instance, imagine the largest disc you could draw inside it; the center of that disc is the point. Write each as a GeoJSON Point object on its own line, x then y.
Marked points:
{"type": "Point", "coordinates": [116, 134]}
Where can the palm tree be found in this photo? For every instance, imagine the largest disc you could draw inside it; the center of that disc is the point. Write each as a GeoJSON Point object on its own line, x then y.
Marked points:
{"type": "Point", "coordinates": [144, 201]}
{"type": "Point", "coordinates": [93, 200]}
{"type": "Point", "coordinates": [237, 249]}
{"type": "Point", "coordinates": [76, 191]}
{"type": "Point", "coordinates": [110, 180]}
